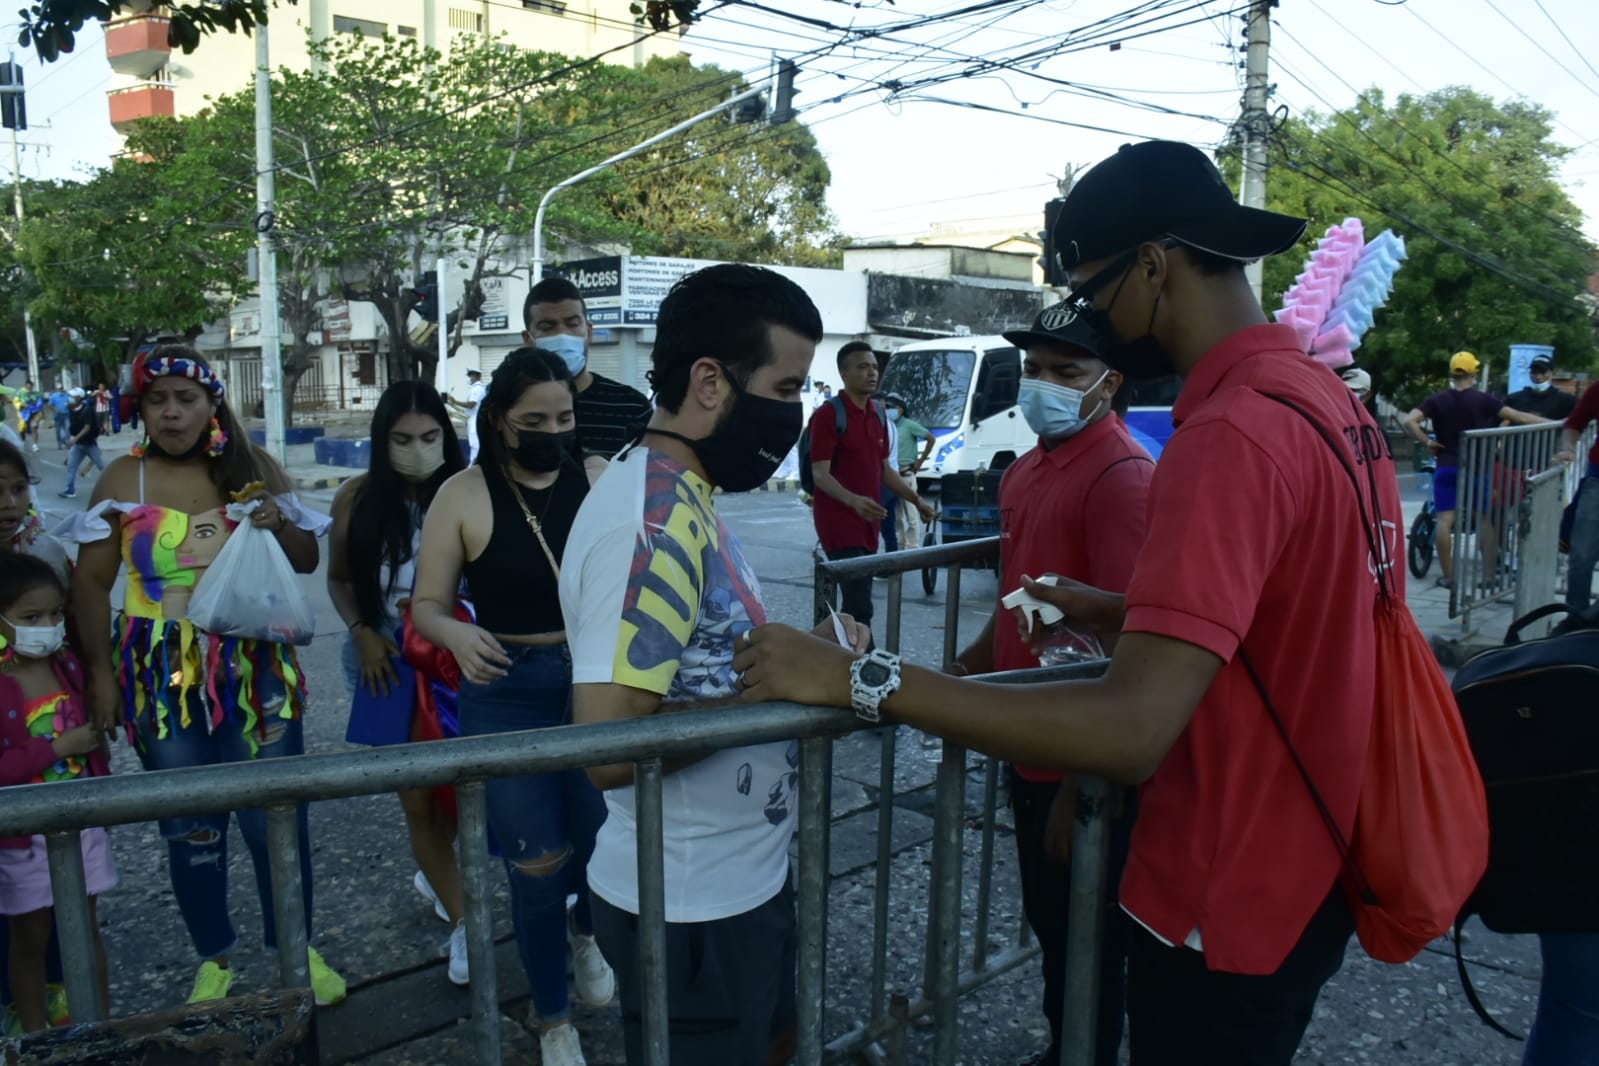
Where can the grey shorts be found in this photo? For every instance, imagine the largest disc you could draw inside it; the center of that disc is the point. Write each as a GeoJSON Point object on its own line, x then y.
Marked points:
{"type": "Point", "coordinates": [729, 983]}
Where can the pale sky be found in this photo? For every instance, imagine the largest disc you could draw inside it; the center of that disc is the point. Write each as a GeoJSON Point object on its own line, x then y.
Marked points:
{"type": "Point", "coordinates": [900, 165]}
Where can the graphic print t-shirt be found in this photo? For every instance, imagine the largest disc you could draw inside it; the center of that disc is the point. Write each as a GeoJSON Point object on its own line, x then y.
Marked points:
{"type": "Point", "coordinates": [655, 590]}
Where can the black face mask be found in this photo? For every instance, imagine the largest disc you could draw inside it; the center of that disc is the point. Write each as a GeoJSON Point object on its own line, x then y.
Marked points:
{"type": "Point", "coordinates": [1140, 359]}
{"type": "Point", "coordinates": [750, 444]}
{"type": "Point", "coordinates": [543, 452]}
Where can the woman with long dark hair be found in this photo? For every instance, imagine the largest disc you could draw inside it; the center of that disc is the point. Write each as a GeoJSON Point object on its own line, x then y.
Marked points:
{"type": "Point", "coordinates": [188, 697]}
{"type": "Point", "coordinates": [503, 524]}
{"type": "Point", "coordinates": [372, 554]}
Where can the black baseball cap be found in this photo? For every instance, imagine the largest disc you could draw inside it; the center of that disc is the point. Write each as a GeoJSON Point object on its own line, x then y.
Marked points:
{"type": "Point", "coordinates": [1164, 189]}
{"type": "Point", "coordinates": [1058, 324]}
{"type": "Point", "coordinates": [1541, 361]}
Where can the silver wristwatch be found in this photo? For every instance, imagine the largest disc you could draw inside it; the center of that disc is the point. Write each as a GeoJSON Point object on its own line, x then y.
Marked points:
{"type": "Point", "coordinates": [872, 679]}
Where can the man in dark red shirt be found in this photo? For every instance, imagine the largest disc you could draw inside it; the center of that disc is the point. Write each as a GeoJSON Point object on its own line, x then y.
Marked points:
{"type": "Point", "coordinates": [1255, 546]}
{"type": "Point", "coordinates": [1584, 538]}
{"type": "Point", "coordinates": [1075, 505]}
{"type": "Point", "coordinates": [851, 469]}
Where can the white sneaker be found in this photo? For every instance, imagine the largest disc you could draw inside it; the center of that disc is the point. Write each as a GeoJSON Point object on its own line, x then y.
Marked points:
{"type": "Point", "coordinates": [456, 948]}
{"type": "Point", "coordinates": [425, 890]}
{"type": "Point", "coordinates": [560, 1047]}
{"type": "Point", "coordinates": [596, 984]}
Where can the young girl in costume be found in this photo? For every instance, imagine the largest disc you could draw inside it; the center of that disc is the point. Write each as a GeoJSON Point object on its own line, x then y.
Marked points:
{"type": "Point", "coordinates": [45, 736]}
{"type": "Point", "coordinates": [372, 553]}
{"type": "Point", "coordinates": [187, 697]}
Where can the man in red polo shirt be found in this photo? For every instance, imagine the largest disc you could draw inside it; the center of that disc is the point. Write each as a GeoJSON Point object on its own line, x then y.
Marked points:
{"type": "Point", "coordinates": [1255, 562]}
{"type": "Point", "coordinates": [851, 470]}
{"type": "Point", "coordinates": [1075, 506]}
{"type": "Point", "coordinates": [1584, 538]}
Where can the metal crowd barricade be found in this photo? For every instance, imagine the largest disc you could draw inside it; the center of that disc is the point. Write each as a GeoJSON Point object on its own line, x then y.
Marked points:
{"type": "Point", "coordinates": [883, 1032]}
{"type": "Point", "coordinates": [59, 811]}
{"type": "Point", "coordinates": [1495, 536]}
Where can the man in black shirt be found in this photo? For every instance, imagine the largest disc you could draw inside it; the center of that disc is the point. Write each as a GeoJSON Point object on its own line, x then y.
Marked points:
{"type": "Point", "coordinates": [1541, 397]}
{"type": "Point", "coordinates": [609, 413]}
{"type": "Point", "coordinates": [84, 426]}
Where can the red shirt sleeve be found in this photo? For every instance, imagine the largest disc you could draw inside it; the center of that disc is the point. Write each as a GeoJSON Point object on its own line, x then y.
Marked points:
{"type": "Point", "coordinates": [1586, 411]}
{"type": "Point", "coordinates": [1220, 515]}
{"type": "Point", "coordinates": [1115, 518]}
{"type": "Point", "coordinates": [824, 433]}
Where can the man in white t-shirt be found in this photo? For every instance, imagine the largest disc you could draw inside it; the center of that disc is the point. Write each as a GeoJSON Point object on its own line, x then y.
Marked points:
{"type": "Point", "coordinates": [656, 591]}
{"type": "Point", "coordinates": [475, 392]}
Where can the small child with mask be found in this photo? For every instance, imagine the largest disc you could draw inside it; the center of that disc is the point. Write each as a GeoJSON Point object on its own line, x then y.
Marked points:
{"type": "Point", "coordinates": [44, 737]}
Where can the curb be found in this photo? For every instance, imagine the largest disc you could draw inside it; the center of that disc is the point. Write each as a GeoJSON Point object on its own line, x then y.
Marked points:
{"type": "Point", "coordinates": [780, 484]}
{"type": "Point", "coordinates": [309, 484]}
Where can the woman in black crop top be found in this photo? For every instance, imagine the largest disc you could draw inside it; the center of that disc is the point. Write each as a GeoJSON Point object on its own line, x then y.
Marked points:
{"type": "Point", "coordinates": [503, 524]}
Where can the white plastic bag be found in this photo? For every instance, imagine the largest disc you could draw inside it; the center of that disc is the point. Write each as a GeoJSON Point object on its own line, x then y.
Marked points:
{"type": "Point", "coordinates": [250, 590]}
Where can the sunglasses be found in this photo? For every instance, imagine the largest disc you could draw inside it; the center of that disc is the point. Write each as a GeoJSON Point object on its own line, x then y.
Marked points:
{"type": "Point", "coordinates": [1081, 299]}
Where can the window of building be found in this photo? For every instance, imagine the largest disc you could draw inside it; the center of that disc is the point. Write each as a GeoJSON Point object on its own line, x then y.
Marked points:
{"type": "Point", "coordinates": [469, 21]}
{"type": "Point", "coordinates": [554, 7]}
{"type": "Point", "coordinates": [363, 27]}
{"type": "Point", "coordinates": [407, 31]}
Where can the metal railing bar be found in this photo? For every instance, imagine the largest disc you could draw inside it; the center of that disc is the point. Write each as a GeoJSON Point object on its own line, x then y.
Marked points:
{"type": "Point", "coordinates": [883, 564]}
{"type": "Point", "coordinates": [64, 851]}
{"type": "Point", "coordinates": [288, 901]}
{"type": "Point", "coordinates": [813, 819]}
{"type": "Point", "coordinates": [472, 819]}
{"type": "Point", "coordinates": [650, 822]}
{"type": "Point", "coordinates": [985, 865]}
{"type": "Point", "coordinates": [948, 824]}
{"type": "Point", "coordinates": [1085, 923]}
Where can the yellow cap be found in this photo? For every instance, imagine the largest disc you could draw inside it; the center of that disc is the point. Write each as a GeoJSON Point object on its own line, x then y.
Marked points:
{"type": "Point", "coordinates": [1464, 363]}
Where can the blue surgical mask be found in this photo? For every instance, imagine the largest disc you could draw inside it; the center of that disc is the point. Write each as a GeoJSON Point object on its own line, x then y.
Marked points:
{"type": "Point", "coordinates": [1055, 412]}
{"type": "Point", "coordinates": [893, 414]}
{"type": "Point", "coordinates": [574, 351]}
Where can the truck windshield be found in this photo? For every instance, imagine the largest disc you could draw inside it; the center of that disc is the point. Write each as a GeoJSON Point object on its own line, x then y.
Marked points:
{"type": "Point", "coordinates": [933, 384]}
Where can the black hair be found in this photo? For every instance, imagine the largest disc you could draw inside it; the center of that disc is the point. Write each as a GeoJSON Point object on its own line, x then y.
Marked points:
{"type": "Point", "coordinates": [1209, 264]}
{"type": "Point", "coordinates": [380, 518]}
{"type": "Point", "coordinates": [241, 462]}
{"type": "Point", "coordinates": [850, 348]}
{"type": "Point", "coordinates": [725, 312]}
{"type": "Point", "coordinates": [11, 455]}
{"type": "Point", "coordinates": [20, 574]}
{"type": "Point", "coordinates": [518, 372]}
{"type": "Point", "coordinates": [550, 290]}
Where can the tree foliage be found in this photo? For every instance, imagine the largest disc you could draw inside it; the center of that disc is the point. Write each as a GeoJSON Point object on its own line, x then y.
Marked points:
{"type": "Point", "coordinates": [1497, 256]}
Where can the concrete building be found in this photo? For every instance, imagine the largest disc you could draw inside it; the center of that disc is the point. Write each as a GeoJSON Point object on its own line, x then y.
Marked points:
{"type": "Point", "coordinates": [153, 79]}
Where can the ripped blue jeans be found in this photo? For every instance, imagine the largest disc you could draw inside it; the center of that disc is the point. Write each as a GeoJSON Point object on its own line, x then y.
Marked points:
{"type": "Point", "coordinates": [197, 846]}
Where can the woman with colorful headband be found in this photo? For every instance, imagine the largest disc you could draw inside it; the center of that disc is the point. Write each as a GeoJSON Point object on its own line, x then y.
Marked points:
{"type": "Point", "coordinates": [185, 696]}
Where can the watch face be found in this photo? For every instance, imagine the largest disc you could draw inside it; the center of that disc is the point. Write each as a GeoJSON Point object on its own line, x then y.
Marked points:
{"type": "Point", "coordinates": [874, 674]}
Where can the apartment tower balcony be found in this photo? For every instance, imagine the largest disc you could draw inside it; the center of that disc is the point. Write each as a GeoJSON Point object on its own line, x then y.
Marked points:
{"type": "Point", "coordinates": [137, 46]}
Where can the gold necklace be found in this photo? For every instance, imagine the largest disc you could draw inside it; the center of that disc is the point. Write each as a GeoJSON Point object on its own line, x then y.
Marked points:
{"type": "Point", "coordinates": [534, 523]}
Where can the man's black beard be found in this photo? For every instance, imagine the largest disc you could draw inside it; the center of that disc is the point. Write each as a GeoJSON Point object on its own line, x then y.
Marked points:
{"type": "Point", "coordinates": [194, 452]}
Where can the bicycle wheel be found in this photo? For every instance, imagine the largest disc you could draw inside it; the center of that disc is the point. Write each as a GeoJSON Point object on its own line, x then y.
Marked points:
{"type": "Point", "coordinates": [930, 574]}
{"type": "Point", "coordinates": [1421, 543]}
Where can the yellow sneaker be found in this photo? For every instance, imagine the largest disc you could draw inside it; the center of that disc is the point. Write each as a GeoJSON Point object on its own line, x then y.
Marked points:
{"type": "Point", "coordinates": [328, 987]}
{"type": "Point", "coordinates": [211, 983]}
{"type": "Point", "coordinates": [55, 999]}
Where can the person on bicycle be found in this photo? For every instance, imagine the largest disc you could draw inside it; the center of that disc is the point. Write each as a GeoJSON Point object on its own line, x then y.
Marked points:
{"type": "Point", "coordinates": [1454, 411]}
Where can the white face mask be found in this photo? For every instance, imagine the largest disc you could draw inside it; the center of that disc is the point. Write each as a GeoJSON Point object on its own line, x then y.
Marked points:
{"type": "Point", "coordinates": [574, 351]}
{"type": "Point", "coordinates": [1541, 386]}
{"type": "Point", "coordinates": [1055, 412]}
{"type": "Point", "coordinates": [419, 461]}
{"type": "Point", "coordinates": [38, 642]}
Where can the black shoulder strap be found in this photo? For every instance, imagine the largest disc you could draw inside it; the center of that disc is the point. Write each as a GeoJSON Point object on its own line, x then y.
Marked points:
{"type": "Point", "coordinates": [1471, 993]}
{"type": "Point", "coordinates": [840, 416]}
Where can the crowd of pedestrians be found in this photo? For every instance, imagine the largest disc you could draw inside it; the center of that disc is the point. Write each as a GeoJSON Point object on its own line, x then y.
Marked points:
{"type": "Point", "coordinates": [569, 564]}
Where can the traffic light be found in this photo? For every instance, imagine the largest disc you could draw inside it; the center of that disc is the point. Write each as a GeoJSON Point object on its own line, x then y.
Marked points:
{"type": "Point", "coordinates": [1054, 276]}
{"type": "Point", "coordinates": [750, 111]}
{"type": "Point", "coordinates": [13, 110]}
{"type": "Point", "coordinates": [427, 296]}
{"type": "Point", "coordinates": [783, 103]}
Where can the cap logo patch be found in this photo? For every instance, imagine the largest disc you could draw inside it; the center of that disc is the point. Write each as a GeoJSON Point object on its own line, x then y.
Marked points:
{"type": "Point", "coordinates": [1058, 317]}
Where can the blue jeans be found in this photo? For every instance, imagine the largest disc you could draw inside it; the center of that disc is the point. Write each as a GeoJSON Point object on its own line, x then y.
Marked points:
{"type": "Point", "coordinates": [197, 846]}
{"type": "Point", "coordinates": [1584, 552]}
{"type": "Point", "coordinates": [75, 459]}
{"type": "Point", "coordinates": [63, 432]}
{"type": "Point", "coordinates": [1565, 1031]}
{"type": "Point", "coordinates": [544, 823]}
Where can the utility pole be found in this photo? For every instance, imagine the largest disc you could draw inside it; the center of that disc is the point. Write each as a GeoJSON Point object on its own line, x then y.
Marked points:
{"type": "Point", "coordinates": [1256, 118]}
{"type": "Point", "coordinates": [441, 377]}
{"type": "Point", "coordinates": [265, 222]}
{"type": "Point", "coordinates": [16, 118]}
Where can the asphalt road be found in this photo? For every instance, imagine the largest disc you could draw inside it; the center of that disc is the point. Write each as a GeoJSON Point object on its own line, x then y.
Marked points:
{"type": "Point", "coordinates": [370, 924]}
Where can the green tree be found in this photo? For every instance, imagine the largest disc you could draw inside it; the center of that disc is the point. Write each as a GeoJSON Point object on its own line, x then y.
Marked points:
{"type": "Point", "coordinates": [1497, 256]}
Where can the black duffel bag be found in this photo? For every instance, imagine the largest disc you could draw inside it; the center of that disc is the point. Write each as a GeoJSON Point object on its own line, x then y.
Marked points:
{"type": "Point", "coordinates": [1531, 711]}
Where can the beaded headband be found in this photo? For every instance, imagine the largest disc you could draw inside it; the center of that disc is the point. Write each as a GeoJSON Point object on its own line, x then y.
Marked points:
{"type": "Point", "coordinates": [177, 366]}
